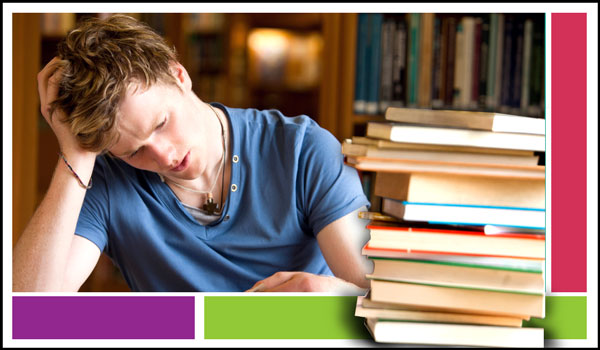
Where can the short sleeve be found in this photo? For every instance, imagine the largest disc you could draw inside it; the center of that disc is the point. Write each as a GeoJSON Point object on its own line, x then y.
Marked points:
{"type": "Point", "coordinates": [328, 188]}
{"type": "Point", "coordinates": [93, 218]}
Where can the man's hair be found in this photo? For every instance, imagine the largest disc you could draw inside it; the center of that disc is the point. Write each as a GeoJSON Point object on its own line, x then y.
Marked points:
{"type": "Point", "coordinates": [101, 59]}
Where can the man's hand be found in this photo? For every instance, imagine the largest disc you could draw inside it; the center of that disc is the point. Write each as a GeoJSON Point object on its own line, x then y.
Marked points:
{"type": "Point", "coordinates": [48, 83]}
{"type": "Point", "coordinates": [286, 281]}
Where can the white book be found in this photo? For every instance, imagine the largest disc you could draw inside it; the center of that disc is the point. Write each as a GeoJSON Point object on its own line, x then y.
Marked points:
{"type": "Point", "coordinates": [454, 334]}
{"type": "Point", "coordinates": [465, 214]}
{"type": "Point", "coordinates": [454, 136]}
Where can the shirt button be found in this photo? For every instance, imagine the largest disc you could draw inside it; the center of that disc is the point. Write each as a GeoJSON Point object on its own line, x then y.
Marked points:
{"type": "Point", "coordinates": [234, 187]}
{"type": "Point", "coordinates": [226, 218]}
{"type": "Point", "coordinates": [236, 159]}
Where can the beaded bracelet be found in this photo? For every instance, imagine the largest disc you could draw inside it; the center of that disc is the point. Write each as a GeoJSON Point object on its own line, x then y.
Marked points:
{"type": "Point", "coordinates": [74, 173]}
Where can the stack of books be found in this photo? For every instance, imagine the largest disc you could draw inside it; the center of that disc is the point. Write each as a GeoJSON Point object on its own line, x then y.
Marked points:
{"type": "Point", "coordinates": [459, 246]}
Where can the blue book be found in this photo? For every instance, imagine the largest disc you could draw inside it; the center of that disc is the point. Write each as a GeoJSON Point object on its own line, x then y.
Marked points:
{"type": "Point", "coordinates": [374, 63]}
{"type": "Point", "coordinates": [360, 87]}
{"type": "Point", "coordinates": [413, 58]}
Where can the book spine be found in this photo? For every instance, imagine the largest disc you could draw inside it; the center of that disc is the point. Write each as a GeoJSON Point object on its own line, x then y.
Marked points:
{"type": "Point", "coordinates": [493, 54]}
{"type": "Point", "coordinates": [508, 52]}
{"type": "Point", "coordinates": [436, 88]}
{"type": "Point", "coordinates": [387, 58]}
{"type": "Point", "coordinates": [537, 70]}
{"type": "Point", "coordinates": [425, 59]}
{"type": "Point", "coordinates": [528, 34]}
{"type": "Point", "coordinates": [413, 58]}
{"type": "Point", "coordinates": [515, 99]}
{"type": "Point", "coordinates": [451, 55]}
{"type": "Point", "coordinates": [499, 74]}
{"type": "Point", "coordinates": [476, 64]}
{"type": "Point", "coordinates": [399, 64]}
{"type": "Point", "coordinates": [361, 65]}
{"type": "Point", "coordinates": [469, 42]}
{"type": "Point", "coordinates": [484, 53]}
{"type": "Point", "coordinates": [459, 61]}
{"type": "Point", "coordinates": [374, 64]}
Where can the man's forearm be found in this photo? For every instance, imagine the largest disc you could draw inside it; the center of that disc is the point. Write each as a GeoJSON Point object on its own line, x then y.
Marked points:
{"type": "Point", "coordinates": [41, 253]}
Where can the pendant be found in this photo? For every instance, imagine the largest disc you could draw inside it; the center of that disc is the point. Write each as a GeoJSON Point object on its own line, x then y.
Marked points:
{"type": "Point", "coordinates": [210, 207]}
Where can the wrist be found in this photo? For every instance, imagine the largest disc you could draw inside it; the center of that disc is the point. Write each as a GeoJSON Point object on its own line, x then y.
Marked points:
{"type": "Point", "coordinates": [80, 166]}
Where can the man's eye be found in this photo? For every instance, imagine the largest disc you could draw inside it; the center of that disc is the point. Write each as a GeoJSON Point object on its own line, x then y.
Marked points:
{"type": "Point", "coordinates": [134, 153]}
{"type": "Point", "coordinates": [162, 124]}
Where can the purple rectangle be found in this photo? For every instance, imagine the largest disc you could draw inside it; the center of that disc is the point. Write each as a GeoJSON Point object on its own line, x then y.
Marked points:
{"type": "Point", "coordinates": [103, 317]}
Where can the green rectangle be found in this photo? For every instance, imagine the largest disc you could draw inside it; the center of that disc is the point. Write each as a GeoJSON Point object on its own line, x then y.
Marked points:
{"type": "Point", "coordinates": [282, 317]}
{"type": "Point", "coordinates": [332, 317]}
{"type": "Point", "coordinates": [566, 318]}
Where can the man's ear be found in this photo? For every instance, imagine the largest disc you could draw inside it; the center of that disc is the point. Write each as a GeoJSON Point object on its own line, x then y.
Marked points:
{"type": "Point", "coordinates": [181, 76]}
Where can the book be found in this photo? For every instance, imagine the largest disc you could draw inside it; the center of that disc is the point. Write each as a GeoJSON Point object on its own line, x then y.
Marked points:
{"type": "Point", "coordinates": [536, 79]}
{"type": "Point", "coordinates": [508, 53]}
{"type": "Point", "coordinates": [360, 86]}
{"type": "Point", "coordinates": [465, 214]}
{"type": "Point", "coordinates": [350, 149]}
{"type": "Point", "coordinates": [476, 69]}
{"type": "Point", "coordinates": [387, 46]}
{"type": "Point", "coordinates": [450, 65]}
{"type": "Point", "coordinates": [441, 273]}
{"type": "Point", "coordinates": [399, 68]}
{"type": "Point", "coordinates": [460, 259]}
{"type": "Point", "coordinates": [484, 53]}
{"type": "Point", "coordinates": [363, 140]}
{"type": "Point", "coordinates": [462, 189]}
{"type": "Point", "coordinates": [517, 66]}
{"type": "Point", "coordinates": [412, 81]}
{"type": "Point", "coordinates": [477, 301]}
{"type": "Point", "coordinates": [424, 75]}
{"type": "Point", "coordinates": [457, 241]}
{"type": "Point", "coordinates": [452, 136]}
{"type": "Point", "coordinates": [527, 38]}
{"type": "Point", "coordinates": [373, 78]}
{"type": "Point", "coordinates": [421, 166]}
{"type": "Point", "coordinates": [398, 313]}
{"type": "Point", "coordinates": [498, 69]}
{"type": "Point", "coordinates": [464, 62]}
{"type": "Point", "coordinates": [389, 331]}
{"type": "Point", "coordinates": [495, 230]}
{"type": "Point", "coordinates": [436, 79]}
{"type": "Point", "coordinates": [373, 215]}
{"type": "Point", "coordinates": [476, 120]}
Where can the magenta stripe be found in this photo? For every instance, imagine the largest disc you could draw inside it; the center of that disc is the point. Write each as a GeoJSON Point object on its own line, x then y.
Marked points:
{"type": "Point", "coordinates": [568, 152]}
{"type": "Point", "coordinates": [103, 317]}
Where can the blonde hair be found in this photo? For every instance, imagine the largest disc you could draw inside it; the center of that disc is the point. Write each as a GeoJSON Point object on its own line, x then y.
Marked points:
{"type": "Point", "coordinates": [100, 60]}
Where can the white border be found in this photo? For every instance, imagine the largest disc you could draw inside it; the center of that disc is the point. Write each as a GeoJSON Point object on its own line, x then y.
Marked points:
{"type": "Point", "coordinates": [592, 140]}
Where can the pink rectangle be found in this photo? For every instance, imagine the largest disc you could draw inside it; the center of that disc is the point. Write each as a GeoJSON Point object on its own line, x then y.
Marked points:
{"type": "Point", "coordinates": [568, 85]}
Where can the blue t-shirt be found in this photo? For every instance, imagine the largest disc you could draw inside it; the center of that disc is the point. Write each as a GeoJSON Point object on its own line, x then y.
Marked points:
{"type": "Point", "coordinates": [290, 182]}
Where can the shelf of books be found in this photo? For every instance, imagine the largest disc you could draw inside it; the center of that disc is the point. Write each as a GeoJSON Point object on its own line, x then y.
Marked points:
{"type": "Point", "coordinates": [457, 226]}
{"type": "Point", "coordinates": [478, 61]}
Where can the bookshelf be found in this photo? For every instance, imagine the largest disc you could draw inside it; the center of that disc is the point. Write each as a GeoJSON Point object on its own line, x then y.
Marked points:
{"type": "Point", "coordinates": [503, 73]}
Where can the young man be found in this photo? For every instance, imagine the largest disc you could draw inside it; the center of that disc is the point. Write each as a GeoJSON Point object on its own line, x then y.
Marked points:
{"type": "Point", "coordinates": [182, 195]}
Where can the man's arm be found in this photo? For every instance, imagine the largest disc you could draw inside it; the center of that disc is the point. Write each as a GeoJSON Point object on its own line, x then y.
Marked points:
{"type": "Point", "coordinates": [341, 242]}
{"type": "Point", "coordinates": [48, 255]}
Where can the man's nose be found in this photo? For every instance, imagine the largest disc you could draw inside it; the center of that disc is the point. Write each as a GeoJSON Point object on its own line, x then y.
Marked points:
{"type": "Point", "coordinates": [164, 154]}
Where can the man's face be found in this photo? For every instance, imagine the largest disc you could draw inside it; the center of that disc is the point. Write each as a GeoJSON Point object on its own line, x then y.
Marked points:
{"type": "Point", "coordinates": [162, 130]}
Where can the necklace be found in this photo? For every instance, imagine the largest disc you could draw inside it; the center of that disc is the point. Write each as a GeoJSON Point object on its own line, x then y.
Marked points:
{"type": "Point", "coordinates": [210, 206]}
